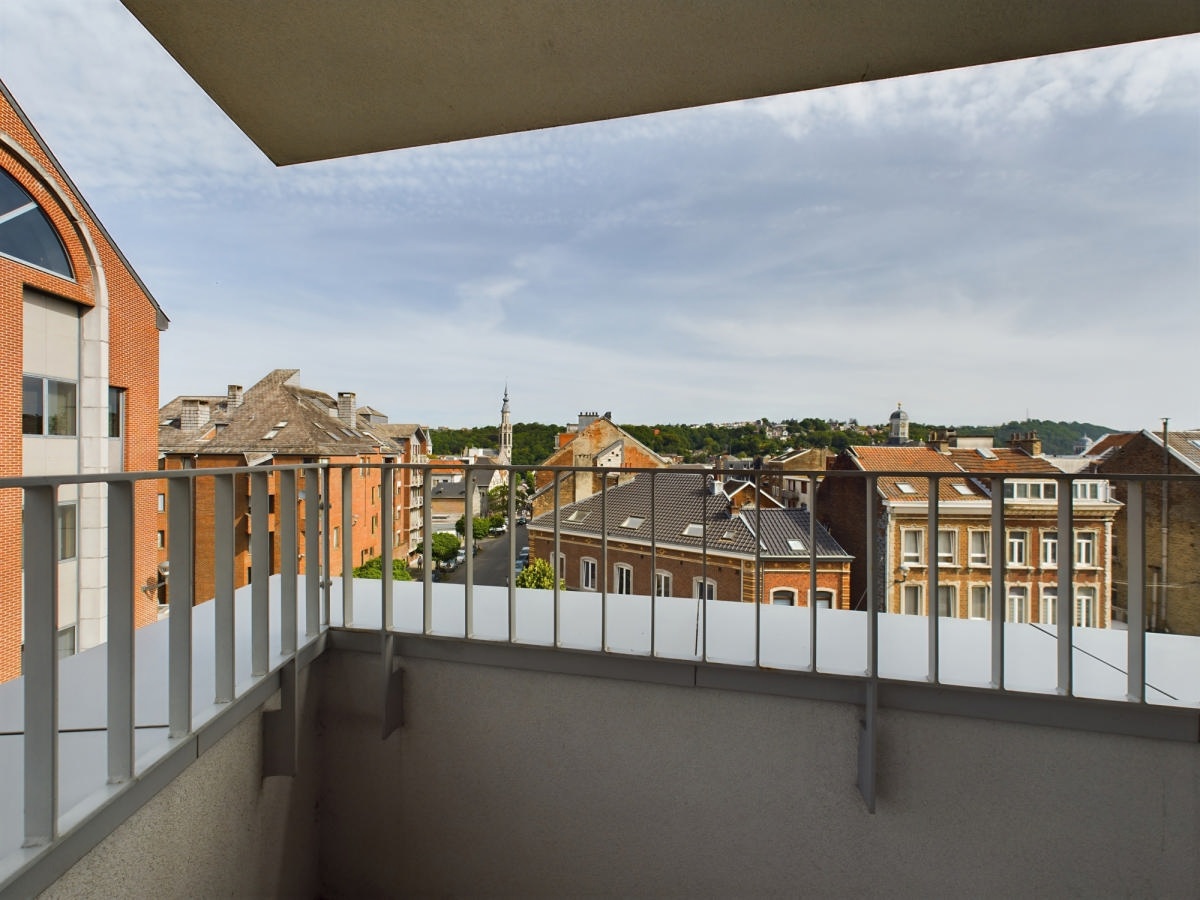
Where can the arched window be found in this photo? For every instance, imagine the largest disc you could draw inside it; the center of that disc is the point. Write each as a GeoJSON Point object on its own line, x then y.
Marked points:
{"type": "Point", "coordinates": [783, 597]}
{"type": "Point", "coordinates": [26, 235]}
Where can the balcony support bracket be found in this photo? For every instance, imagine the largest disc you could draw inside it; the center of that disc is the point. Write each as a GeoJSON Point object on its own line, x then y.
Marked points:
{"type": "Point", "coordinates": [280, 731]}
{"type": "Point", "coordinates": [393, 689]}
{"type": "Point", "coordinates": [867, 739]}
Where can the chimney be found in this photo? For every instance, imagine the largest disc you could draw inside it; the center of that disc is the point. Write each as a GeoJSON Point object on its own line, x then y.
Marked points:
{"type": "Point", "coordinates": [346, 408]}
{"type": "Point", "coordinates": [586, 419]}
{"type": "Point", "coordinates": [939, 441]}
{"type": "Point", "coordinates": [193, 415]}
{"type": "Point", "coordinates": [1029, 442]}
{"type": "Point", "coordinates": [233, 396]}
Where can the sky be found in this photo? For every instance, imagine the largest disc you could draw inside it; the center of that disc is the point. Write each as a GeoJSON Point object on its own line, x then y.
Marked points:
{"type": "Point", "coordinates": [982, 245]}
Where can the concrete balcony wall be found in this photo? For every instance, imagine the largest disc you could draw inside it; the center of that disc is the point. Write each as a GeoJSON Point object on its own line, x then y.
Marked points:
{"type": "Point", "coordinates": [219, 829]}
{"type": "Point", "coordinates": [527, 783]}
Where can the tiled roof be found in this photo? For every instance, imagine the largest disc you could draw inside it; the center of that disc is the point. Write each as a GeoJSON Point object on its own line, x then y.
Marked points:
{"type": "Point", "coordinates": [1000, 461]}
{"type": "Point", "coordinates": [1186, 445]}
{"type": "Point", "coordinates": [1110, 442]}
{"type": "Point", "coordinates": [1007, 461]}
{"type": "Point", "coordinates": [680, 500]}
{"type": "Point", "coordinates": [276, 417]}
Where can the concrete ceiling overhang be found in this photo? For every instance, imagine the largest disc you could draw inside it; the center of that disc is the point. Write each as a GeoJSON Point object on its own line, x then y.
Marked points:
{"type": "Point", "coordinates": [316, 79]}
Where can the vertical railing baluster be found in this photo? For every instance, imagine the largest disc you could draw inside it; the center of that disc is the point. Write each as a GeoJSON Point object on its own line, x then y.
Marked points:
{"type": "Point", "coordinates": [653, 569]}
{"type": "Point", "coordinates": [1135, 601]}
{"type": "Point", "coordinates": [120, 631]}
{"type": "Point", "coordinates": [555, 563]}
{"type": "Point", "coordinates": [39, 664]}
{"type": "Point", "coordinates": [181, 587]}
{"type": "Point", "coordinates": [312, 551]}
{"type": "Point", "coordinates": [702, 600]}
{"type": "Point", "coordinates": [1066, 585]}
{"type": "Point", "coordinates": [326, 542]}
{"type": "Point", "coordinates": [812, 573]}
{"type": "Point", "coordinates": [427, 560]}
{"type": "Point", "coordinates": [999, 599]}
{"type": "Point", "coordinates": [512, 543]}
{"type": "Point", "coordinates": [604, 564]}
{"type": "Point", "coordinates": [260, 576]}
{"type": "Point", "coordinates": [347, 545]}
{"type": "Point", "coordinates": [932, 600]}
{"type": "Point", "coordinates": [224, 617]}
{"type": "Point", "coordinates": [469, 544]}
{"type": "Point", "coordinates": [872, 582]}
{"type": "Point", "coordinates": [387, 528]}
{"type": "Point", "coordinates": [288, 561]}
{"type": "Point", "coordinates": [759, 594]}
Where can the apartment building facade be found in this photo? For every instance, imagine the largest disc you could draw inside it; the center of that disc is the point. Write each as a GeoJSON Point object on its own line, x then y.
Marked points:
{"type": "Point", "coordinates": [683, 533]}
{"type": "Point", "coordinates": [79, 348]}
{"type": "Point", "coordinates": [963, 549]}
{"type": "Point", "coordinates": [278, 422]}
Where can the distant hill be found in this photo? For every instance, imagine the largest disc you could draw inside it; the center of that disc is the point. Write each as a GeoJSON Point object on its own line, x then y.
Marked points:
{"type": "Point", "coordinates": [1058, 438]}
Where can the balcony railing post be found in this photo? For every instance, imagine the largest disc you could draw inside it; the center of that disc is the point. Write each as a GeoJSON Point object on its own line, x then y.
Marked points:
{"type": "Point", "coordinates": [387, 516]}
{"type": "Point", "coordinates": [260, 576]}
{"type": "Point", "coordinates": [180, 594]}
{"type": "Point", "coordinates": [326, 542]}
{"type": "Point", "coordinates": [512, 543]}
{"type": "Point", "coordinates": [224, 530]}
{"type": "Point", "coordinates": [872, 581]}
{"type": "Point", "coordinates": [313, 503]}
{"type": "Point", "coordinates": [288, 562]}
{"type": "Point", "coordinates": [932, 601]}
{"type": "Point", "coordinates": [1135, 602]}
{"type": "Point", "coordinates": [120, 631]}
{"type": "Point", "coordinates": [604, 563]}
{"type": "Point", "coordinates": [39, 664]}
{"type": "Point", "coordinates": [555, 564]}
{"type": "Point", "coordinates": [812, 573]}
{"type": "Point", "coordinates": [999, 597]}
{"type": "Point", "coordinates": [427, 560]}
{"type": "Point", "coordinates": [758, 568]}
{"type": "Point", "coordinates": [469, 544]}
{"type": "Point", "coordinates": [347, 545]}
{"type": "Point", "coordinates": [1066, 585]}
{"type": "Point", "coordinates": [653, 571]}
{"type": "Point", "coordinates": [702, 600]}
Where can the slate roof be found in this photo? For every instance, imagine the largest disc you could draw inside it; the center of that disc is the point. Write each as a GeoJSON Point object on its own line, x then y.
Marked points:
{"type": "Point", "coordinates": [682, 499]}
{"type": "Point", "coordinates": [1185, 445]}
{"type": "Point", "coordinates": [277, 416]}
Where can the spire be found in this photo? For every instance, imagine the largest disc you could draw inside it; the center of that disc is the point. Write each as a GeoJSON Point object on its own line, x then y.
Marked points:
{"type": "Point", "coordinates": [505, 430]}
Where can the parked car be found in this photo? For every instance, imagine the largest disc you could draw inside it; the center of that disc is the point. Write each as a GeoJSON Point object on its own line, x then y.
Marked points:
{"type": "Point", "coordinates": [524, 554]}
{"type": "Point", "coordinates": [519, 566]}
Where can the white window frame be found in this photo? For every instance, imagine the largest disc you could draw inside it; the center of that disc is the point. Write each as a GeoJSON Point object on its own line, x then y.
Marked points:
{"type": "Point", "coordinates": [68, 531]}
{"type": "Point", "coordinates": [947, 601]}
{"type": "Point", "coordinates": [826, 598]}
{"type": "Point", "coordinates": [977, 591]}
{"type": "Point", "coordinates": [662, 583]}
{"type": "Point", "coordinates": [1049, 549]}
{"type": "Point", "coordinates": [562, 566]}
{"type": "Point", "coordinates": [1014, 539]}
{"type": "Point", "coordinates": [1016, 603]}
{"type": "Point", "coordinates": [1088, 490]}
{"type": "Point", "coordinates": [792, 599]}
{"type": "Point", "coordinates": [1086, 544]}
{"type": "Point", "coordinates": [1048, 604]}
{"type": "Point", "coordinates": [623, 578]}
{"type": "Point", "coordinates": [587, 573]}
{"type": "Point", "coordinates": [911, 599]}
{"type": "Point", "coordinates": [1087, 606]}
{"type": "Point", "coordinates": [909, 556]}
{"type": "Point", "coordinates": [708, 584]}
{"type": "Point", "coordinates": [974, 558]}
{"type": "Point", "coordinates": [951, 558]}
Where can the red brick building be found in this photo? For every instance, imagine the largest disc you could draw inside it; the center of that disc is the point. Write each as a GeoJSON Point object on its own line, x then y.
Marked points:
{"type": "Point", "coordinates": [277, 422]}
{"type": "Point", "coordinates": [79, 373]}
{"type": "Point", "coordinates": [903, 555]}
{"type": "Point", "coordinates": [709, 538]}
{"type": "Point", "coordinates": [593, 441]}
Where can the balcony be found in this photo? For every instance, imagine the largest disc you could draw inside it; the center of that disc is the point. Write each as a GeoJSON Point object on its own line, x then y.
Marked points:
{"type": "Point", "coordinates": [311, 734]}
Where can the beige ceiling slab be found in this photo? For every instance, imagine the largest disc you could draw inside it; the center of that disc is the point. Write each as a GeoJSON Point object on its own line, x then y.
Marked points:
{"type": "Point", "coordinates": [314, 79]}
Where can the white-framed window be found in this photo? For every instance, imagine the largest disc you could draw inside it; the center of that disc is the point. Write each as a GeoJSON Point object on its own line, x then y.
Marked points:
{"type": "Point", "coordinates": [1085, 549]}
{"type": "Point", "coordinates": [979, 605]}
{"type": "Point", "coordinates": [979, 542]}
{"type": "Point", "coordinates": [911, 546]}
{"type": "Point", "coordinates": [947, 600]}
{"type": "Point", "coordinates": [910, 599]}
{"type": "Point", "coordinates": [162, 502]}
{"type": "Point", "coordinates": [623, 576]}
{"type": "Point", "coordinates": [336, 536]}
{"type": "Point", "coordinates": [161, 540]}
{"type": "Point", "coordinates": [1030, 490]}
{"type": "Point", "coordinates": [68, 531]}
{"type": "Point", "coordinates": [116, 412]}
{"type": "Point", "coordinates": [48, 406]}
{"type": "Point", "coordinates": [1087, 608]}
{"type": "Point", "coordinates": [1016, 607]}
{"type": "Point", "coordinates": [662, 583]}
{"type": "Point", "coordinates": [947, 547]}
{"type": "Point", "coordinates": [587, 574]}
{"type": "Point", "coordinates": [1018, 547]}
{"type": "Point", "coordinates": [1048, 605]}
{"type": "Point", "coordinates": [1088, 490]}
{"type": "Point", "coordinates": [1049, 548]}
{"type": "Point", "coordinates": [783, 597]}
{"type": "Point", "coordinates": [562, 566]}
{"type": "Point", "coordinates": [824, 599]}
{"type": "Point", "coordinates": [704, 588]}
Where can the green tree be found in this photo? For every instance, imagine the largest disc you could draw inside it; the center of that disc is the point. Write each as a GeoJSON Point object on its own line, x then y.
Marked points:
{"type": "Point", "coordinates": [479, 526]}
{"type": "Point", "coordinates": [445, 546]}
{"type": "Point", "coordinates": [538, 574]}
{"type": "Point", "coordinates": [373, 568]}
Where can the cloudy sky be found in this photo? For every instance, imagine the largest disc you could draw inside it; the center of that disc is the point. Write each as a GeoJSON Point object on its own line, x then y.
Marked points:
{"type": "Point", "coordinates": [980, 244]}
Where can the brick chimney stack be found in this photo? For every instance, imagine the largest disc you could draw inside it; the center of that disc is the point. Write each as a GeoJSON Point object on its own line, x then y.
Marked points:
{"type": "Point", "coordinates": [346, 408]}
{"type": "Point", "coordinates": [233, 396]}
{"type": "Point", "coordinates": [193, 415]}
{"type": "Point", "coordinates": [1029, 442]}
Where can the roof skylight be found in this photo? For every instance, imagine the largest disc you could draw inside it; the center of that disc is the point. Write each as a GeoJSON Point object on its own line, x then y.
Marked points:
{"type": "Point", "coordinates": [633, 522]}
{"type": "Point", "coordinates": [693, 530]}
{"type": "Point", "coordinates": [905, 488]}
{"type": "Point", "coordinates": [964, 490]}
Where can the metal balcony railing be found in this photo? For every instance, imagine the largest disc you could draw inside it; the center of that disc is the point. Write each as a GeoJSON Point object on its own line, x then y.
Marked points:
{"type": "Point", "coordinates": [280, 579]}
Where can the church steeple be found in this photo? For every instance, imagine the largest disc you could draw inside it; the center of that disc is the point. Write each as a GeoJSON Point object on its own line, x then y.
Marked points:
{"type": "Point", "coordinates": [505, 430]}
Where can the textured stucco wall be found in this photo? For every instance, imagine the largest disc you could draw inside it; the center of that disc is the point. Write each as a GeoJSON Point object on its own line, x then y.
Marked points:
{"type": "Point", "coordinates": [521, 783]}
{"type": "Point", "coordinates": [219, 829]}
